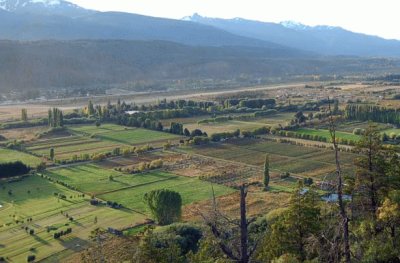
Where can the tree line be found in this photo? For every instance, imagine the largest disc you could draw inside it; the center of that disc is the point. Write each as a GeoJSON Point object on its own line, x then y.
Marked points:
{"type": "Point", "coordinates": [366, 112]}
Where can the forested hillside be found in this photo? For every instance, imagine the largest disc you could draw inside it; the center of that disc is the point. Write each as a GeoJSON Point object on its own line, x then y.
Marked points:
{"type": "Point", "coordinates": [64, 64]}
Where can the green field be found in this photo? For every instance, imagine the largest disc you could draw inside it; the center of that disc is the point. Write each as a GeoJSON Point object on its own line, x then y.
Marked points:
{"type": "Point", "coordinates": [228, 126]}
{"type": "Point", "coordinates": [326, 134]}
{"type": "Point", "coordinates": [191, 190]}
{"type": "Point", "coordinates": [136, 136]}
{"type": "Point", "coordinates": [123, 135]}
{"type": "Point", "coordinates": [92, 179]}
{"type": "Point", "coordinates": [92, 129]}
{"type": "Point", "coordinates": [7, 155]}
{"type": "Point", "coordinates": [33, 197]}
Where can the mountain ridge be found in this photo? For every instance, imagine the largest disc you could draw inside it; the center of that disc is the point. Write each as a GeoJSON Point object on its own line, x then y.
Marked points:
{"type": "Point", "coordinates": [326, 40]}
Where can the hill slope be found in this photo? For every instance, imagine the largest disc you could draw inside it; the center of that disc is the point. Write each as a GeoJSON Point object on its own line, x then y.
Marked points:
{"type": "Point", "coordinates": [64, 64]}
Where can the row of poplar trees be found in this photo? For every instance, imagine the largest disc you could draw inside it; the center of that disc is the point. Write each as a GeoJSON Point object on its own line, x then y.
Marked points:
{"type": "Point", "coordinates": [55, 118]}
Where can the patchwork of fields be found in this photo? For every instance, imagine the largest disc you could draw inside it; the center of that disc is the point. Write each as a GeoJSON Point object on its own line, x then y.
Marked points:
{"type": "Point", "coordinates": [299, 160]}
{"type": "Point", "coordinates": [39, 199]}
{"type": "Point", "coordinates": [91, 139]}
{"type": "Point", "coordinates": [34, 197]}
{"type": "Point", "coordinates": [50, 204]}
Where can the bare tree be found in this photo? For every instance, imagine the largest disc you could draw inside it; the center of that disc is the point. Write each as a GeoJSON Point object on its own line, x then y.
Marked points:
{"type": "Point", "coordinates": [342, 208]}
{"type": "Point", "coordinates": [233, 235]}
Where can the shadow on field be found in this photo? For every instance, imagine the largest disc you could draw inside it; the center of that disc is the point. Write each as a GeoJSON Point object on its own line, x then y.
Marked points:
{"type": "Point", "coordinates": [41, 240]}
{"type": "Point", "coordinates": [75, 244]}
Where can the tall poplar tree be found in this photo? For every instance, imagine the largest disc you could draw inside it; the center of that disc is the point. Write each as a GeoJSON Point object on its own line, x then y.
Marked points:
{"type": "Point", "coordinates": [266, 178]}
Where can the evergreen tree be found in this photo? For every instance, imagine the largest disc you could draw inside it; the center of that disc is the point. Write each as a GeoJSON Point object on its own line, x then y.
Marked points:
{"type": "Point", "coordinates": [186, 132]}
{"type": "Point", "coordinates": [90, 109]}
{"type": "Point", "coordinates": [371, 179]}
{"type": "Point", "coordinates": [165, 205]}
{"type": "Point", "coordinates": [50, 118]}
{"type": "Point", "coordinates": [290, 232]}
{"type": "Point", "coordinates": [24, 115]}
{"type": "Point", "coordinates": [52, 154]}
{"type": "Point", "coordinates": [266, 178]}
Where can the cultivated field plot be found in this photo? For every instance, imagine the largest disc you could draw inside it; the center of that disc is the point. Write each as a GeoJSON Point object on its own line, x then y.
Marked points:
{"type": "Point", "coordinates": [191, 190]}
{"type": "Point", "coordinates": [124, 135]}
{"type": "Point", "coordinates": [66, 147]}
{"type": "Point", "coordinates": [89, 139]}
{"type": "Point", "coordinates": [299, 160]}
{"type": "Point", "coordinates": [128, 189]}
{"type": "Point", "coordinates": [93, 179]}
{"type": "Point", "coordinates": [228, 126]}
{"type": "Point", "coordinates": [34, 197]}
{"type": "Point", "coordinates": [26, 134]}
{"type": "Point", "coordinates": [7, 155]}
{"type": "Point", "coordinates": [326, 134]}
{"type": "Point", "coordinates": [349, 126]}
{"type": "Point", "coordinates": [279, 118]}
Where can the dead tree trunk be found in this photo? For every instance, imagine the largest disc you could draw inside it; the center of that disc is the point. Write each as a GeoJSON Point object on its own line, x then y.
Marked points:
{"type": "Point", "coordinates": [238, 250]}
{"type": "Point", "coordinates": [342, 208]}
{"type": "Point", "coordinates": [244, 257]}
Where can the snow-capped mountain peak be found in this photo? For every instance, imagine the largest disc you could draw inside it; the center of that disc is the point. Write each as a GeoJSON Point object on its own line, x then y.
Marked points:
{"type": "Point", "coordinates": [299, 26]}
{"type": "Point", "coordinates": [47, 7]}
{"type": "Point", "coordinates": [294, 25]}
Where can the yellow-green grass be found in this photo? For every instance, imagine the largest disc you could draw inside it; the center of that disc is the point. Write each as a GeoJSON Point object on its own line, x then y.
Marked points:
{"type": "Point", "coordinates": [191, 190]}
{"type": "Point", "coordinates": [391, 131]}
{"type": "Point", "coordinates": [45, 208]}
{"type": "Point", "coordinates": [92, 129]}
{"type": "Point", "coordinates": [122, 134]}
{"type": "Point", "coordinates": [8, 155]}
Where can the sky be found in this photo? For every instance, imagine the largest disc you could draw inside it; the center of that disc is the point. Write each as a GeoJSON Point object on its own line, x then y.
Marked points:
{"type": "Point", "coordinates": [381, 18]}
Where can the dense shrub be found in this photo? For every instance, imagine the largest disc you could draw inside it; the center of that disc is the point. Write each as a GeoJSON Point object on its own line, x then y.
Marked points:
{"type": "Point", "coordinates": [31, 258]}
{"type": "Point", "coordinates": [13, 169]}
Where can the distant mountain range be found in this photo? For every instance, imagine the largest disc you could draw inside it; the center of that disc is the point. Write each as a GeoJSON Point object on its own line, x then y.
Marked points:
{"type": "Point", "coordinates": [62, 20]}
{"type": "Point", "coordinates": [326, 40]}
{"type": "Point", "coordinates": [49, 44]}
